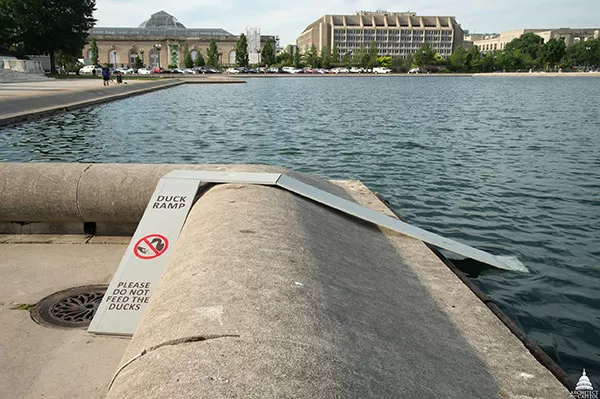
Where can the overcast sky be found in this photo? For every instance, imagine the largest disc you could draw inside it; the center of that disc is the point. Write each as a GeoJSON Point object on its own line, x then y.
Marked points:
{"type": "Point", "coordinates": [288, 19]}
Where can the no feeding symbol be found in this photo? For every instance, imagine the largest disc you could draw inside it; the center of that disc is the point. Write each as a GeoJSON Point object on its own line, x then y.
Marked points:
{"type": "Point", "coordinates": [151, 246]}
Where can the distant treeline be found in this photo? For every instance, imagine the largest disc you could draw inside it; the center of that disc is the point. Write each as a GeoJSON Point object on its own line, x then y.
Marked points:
{"type": "Point", "coordinates": [524, 53]}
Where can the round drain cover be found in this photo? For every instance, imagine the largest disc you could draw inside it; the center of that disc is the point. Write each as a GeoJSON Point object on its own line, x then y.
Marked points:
{"type": "Point", "coordinates": [71, 308]}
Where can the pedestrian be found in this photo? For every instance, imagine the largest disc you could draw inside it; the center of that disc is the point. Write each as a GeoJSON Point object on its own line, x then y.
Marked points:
{"type": "Point", "coordinates": [105, 74]}
{"type": "Point", "coordinates": [119, 77]}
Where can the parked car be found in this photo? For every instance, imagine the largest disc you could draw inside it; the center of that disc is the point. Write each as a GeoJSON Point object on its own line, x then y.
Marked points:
{"type": "Point", "coordinates": [289, 69]}
{"type": "Point", "coordinates": [144, 71]}
{"type": "Point", "coordinates": [381, 70]}
{"type": "Point", "coordinates": [233, 71]}
{"type": "Point", "coordinates": [89, 69]}
{"type": "Point", "coordinates": [340, 70]}
{"type": "Point", "coordinates": [189, 71]}
{"type": "Point", "coordinates": [356, 70]}
{"type": "Point", "coordinates": [416, 70]}
{"type": "Point", "coordinates": [274, 70]}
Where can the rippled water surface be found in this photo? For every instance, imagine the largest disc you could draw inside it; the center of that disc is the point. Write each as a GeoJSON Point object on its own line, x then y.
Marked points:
{"type": "Point", "coordinates": [509, 165]}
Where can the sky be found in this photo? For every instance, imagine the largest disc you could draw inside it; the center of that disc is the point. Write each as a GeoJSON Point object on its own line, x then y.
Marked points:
{"type": "Point", "coordinates": [288, 19]}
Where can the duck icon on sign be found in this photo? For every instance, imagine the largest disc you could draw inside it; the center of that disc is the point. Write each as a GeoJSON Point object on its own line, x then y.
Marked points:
{"type": "Point", "coordinates": [151, 246]}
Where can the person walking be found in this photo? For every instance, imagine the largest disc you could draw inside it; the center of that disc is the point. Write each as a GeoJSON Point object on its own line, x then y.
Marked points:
{"type": "Point", "coordinates": [105, 74]}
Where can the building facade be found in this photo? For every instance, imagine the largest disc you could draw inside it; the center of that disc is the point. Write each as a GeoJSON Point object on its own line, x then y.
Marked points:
{"type": "Point", "coordinates": [396, 34]}
{"type": "Point", "coordinates": [159, 41]}
{"type": "Point", "coordinates": [570, 36]}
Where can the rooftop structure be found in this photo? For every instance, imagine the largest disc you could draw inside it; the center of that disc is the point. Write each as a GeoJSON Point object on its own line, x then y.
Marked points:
{"type": "Point", "coordinates": [570, 36]}
{"type": "Point", "coordinates": [396, 34]}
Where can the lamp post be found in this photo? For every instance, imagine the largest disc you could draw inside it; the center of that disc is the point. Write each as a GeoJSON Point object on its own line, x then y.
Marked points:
{"type": "Point", "coordinates": [142, 54]}
{"type": "Point", "coordinates": [157, 47]}
{"type": "Point", "coordinates": [587, 57]}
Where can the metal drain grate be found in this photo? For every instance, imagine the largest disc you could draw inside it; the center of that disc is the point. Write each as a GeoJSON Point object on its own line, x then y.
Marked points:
{"type": "Point", "coordinates": [71, 308]}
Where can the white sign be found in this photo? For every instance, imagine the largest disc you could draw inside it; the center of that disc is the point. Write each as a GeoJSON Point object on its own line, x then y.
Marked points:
{"type": "Point", "coordinates": [146, 258]}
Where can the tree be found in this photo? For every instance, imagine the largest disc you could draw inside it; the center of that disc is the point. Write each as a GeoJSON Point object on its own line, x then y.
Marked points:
{"type": "Point", "coordinates": [312, 57]}
{"type": "Point", "coordinates": [457, 62]}
{"type": "Point", "coordinates": [199, 61]}
{"type": "Point", "coordinates": [372, 61]}
{"type": "Point", "coordinates": [212, 54]}
{"type": "Point", "coordinates": [528, 50]}
{"type": "Point", "coordinates": [241, 51]}
{"type": "Point", "coordinates": [44, 27]}
{"type": "Point", "coordinates": [335, 54]}
{"type": "Point", "coordinates": [361, 57]}
{"type": "Point", "coordinates": [297, 59]}
{"type": "Point", "coordinates": [138, 63]}
{"type": "Point", "coordinates": [68, 62]}
{"type": "Point", "coordinates": [285, 58]}
{"type": "Point", "coordinates": [473, 60]}
{"type": "Point", "coordinates": [94, 52]}
{"type": "Point", "coordinates": [347, 59]}
{"type": "Point", "coordinates": [268, 54]}
{"type": "Point", "coordinates": [425, 56]}
{"type": "Point", "coordinates": [188, 62]}
{"type": "Point", "coordinates": [553, 51]}
{"type": "Point", "coordinates": [384, 61]}
{"type": "Point", "coordinates": [325, 58]}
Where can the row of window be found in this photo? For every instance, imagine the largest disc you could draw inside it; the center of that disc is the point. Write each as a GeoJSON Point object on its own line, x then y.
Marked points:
{"type": "Point", "coordinates": [445, 32]}
{"type": "Point", "coordinates": [368, 39]}
{"type": "Point", "coordinates": [396, 52]}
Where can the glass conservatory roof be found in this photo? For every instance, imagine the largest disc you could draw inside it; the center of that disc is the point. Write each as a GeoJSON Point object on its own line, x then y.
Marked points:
{"type": "Point", "coordinates": [159, 24]}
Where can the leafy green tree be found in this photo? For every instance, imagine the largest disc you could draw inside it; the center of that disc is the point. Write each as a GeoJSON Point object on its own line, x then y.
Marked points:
{"type": "Point", "coordinates": [199, 61]}
{"type": "Point", "coordinates": [326, 61]}
{"type": "Point", "coordinates": [525, 51]}
{"type": "Point", "coordinates": [553, 51]}
{"type": "Point", "coordinates": [384, 61]}
{"type": "Point", "coordinates": [457, 62]}
{"type": "Point", "coordinates": [188, 62]}
{"type": "Point", "coordinates": [372, 61]}
{"type": "Point", "coordinates": [397, 64]}
{"type": "Point", "coordinates": [241, 51]}
{"type": "Point", "coordinates": [68, 62]}
{"type": "Point", "coordinates": [138, 63]}
{"type": "Point", "coordinates": [425, 56]}
{"type": "Point", "coordinates": [94, 49]}
{"type": "Point", "coordinates": [361, 57]}
{"type": "Point", "coordinates": [335, 54]}
{"type": "Point", "coordinates": [212, 54]}
{"type": "Point", "coordinates": [45, 27]}
{"type": "Point", "coordinates": [285, 58]}
{"type": "Point", "coordinates": [347, 59]}
{"type": "Point", "coordinates": [473, 60]}
{"type": "Point", "coordinates": [297, 59]}
{"type": "Point", "coordinates": [312, 57]}
{"type": "Point", "coordinates": [268, 53]}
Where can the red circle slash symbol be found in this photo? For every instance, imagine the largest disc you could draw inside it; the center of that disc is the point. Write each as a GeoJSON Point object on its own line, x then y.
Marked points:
{"type": "Point", "coordinates": [151, 246]}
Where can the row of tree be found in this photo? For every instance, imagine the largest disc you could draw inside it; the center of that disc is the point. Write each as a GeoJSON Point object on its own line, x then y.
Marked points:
{"type": "Point", "coordinates": [528, 52]}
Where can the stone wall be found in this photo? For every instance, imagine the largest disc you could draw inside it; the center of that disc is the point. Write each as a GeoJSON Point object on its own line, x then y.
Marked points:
{"type": "Point", "coordinates": [24, 66]}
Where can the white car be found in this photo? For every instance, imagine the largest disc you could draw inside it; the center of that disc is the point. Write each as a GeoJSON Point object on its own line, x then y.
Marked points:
{"type": "Point", "coordinates": [356, 70]}
{"type": "Point", "coordinates": [144, 71]}
{"type": "Point", "coordinates": [381, 70]}
{"type": "Point", "coordinates": [232, 71]}
{"type": "Point", "coordinates": [415, 70]}
{"type": "Point", "coordinates": [89, 69]}
{"type": "Point", "coordinates": [289, 69]}
{"type": "Point", "coordinates": [340, 70]}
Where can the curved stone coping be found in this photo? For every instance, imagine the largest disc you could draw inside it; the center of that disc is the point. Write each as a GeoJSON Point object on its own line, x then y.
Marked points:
{"type": "Point", "coordinates": [270, 295]}
{"type": "Point", "coordinates": [111, 193]}
{"type": "Point", "coordinates": [27, 108]}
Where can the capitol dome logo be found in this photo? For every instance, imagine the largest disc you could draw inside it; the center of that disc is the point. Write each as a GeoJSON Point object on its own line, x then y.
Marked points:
{"type": "Point", "coordinates": [584, 388]}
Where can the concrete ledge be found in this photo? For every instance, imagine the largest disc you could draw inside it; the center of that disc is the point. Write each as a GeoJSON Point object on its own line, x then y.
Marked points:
{"type": "Point", "coordinates": [271, 295]}
{"type": "Point", "coordinates": [22, 109]}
